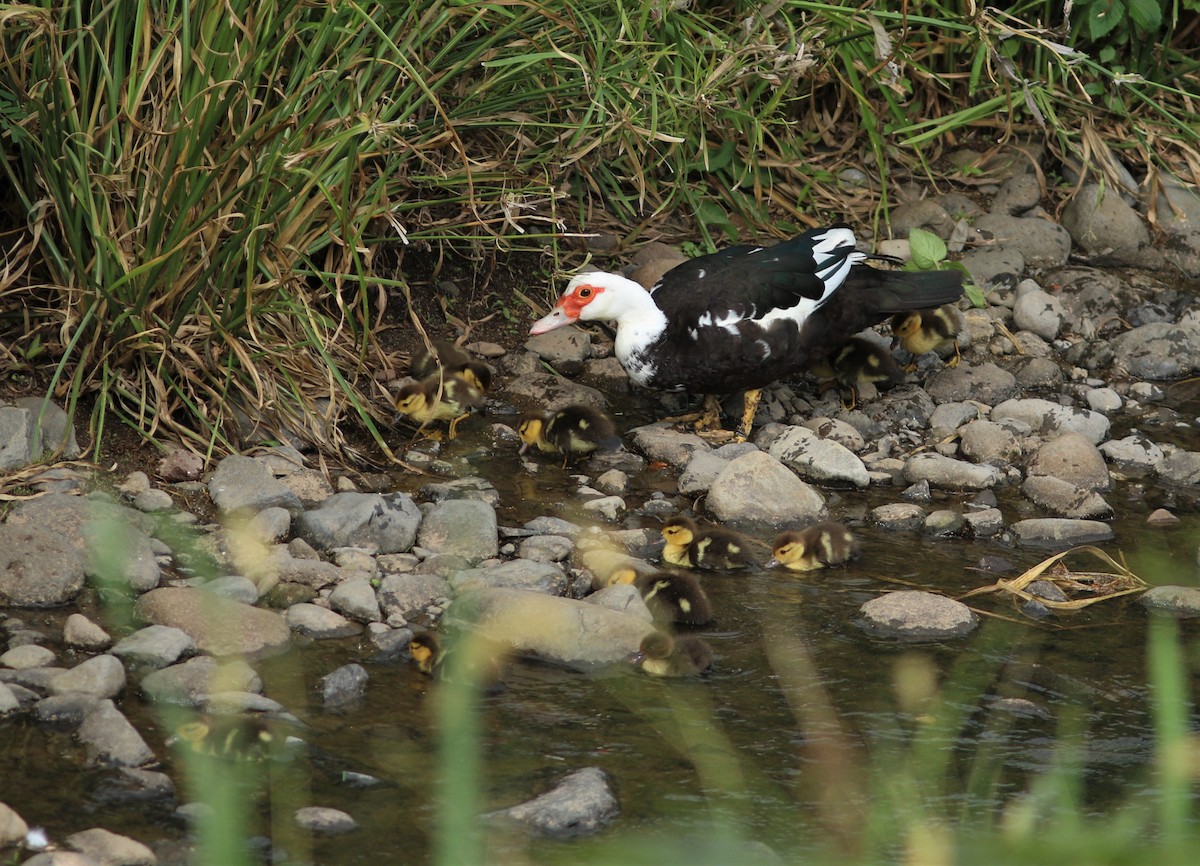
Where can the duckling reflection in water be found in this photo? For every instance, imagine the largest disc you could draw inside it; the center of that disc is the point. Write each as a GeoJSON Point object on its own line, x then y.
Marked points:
{"type": "Point", "coordinates": [713, 549]}
{"type": "Point", "coordinates": [819, 546]}
{"type": "Point", "coordinates": [661, 655]}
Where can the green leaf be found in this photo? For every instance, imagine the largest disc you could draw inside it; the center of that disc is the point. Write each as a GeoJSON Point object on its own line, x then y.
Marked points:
{"type": "Point", "coordinates": [927, 249]}
{"type": "Point", "coordinates": [1102, 17]}
{"type": "Point", "coordinates": [1146, 15]}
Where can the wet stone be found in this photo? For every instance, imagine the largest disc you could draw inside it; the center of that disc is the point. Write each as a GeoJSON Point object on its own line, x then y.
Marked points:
{"type": "Point", "coordinates": [28, 656]}
{"type": "Point", "coordinates": [472, 487]}
{"type": "Point", "coordinates": [944, 523]}
{"type": "Point", "coordinates": [346, 685]}
{"type": "Point", "coordinates": [320, 623]}
{"type": "Point", "coordinates": [102, 676]}
{"type": "Point", "coordinates": [246, 484]}
{"type": "Point", "coordinates": [233, 587]}
{"type": "Point", "coordinates": [546, 548]}
{"type": "Point", "coordinates": [38, 568]}
{"type": "Point", "coordinates": [948, 473]}
{"type": "Point", "coordinates": [154, 646]}
{"type": "Point", "coordinates": [110, 740]}
{"type": "Point", "coordinates": [1174, 599]}
{"type": "Point", "coordinates": [581, 804]}
{"type": "Point", "coordinates": [1064, 499]}
{"type": "Point", "coordinates": [110, 849]}
{"type": "Point", "coordinates": [552, 526]}
{"type": "Point", "coordinates": [1059, 533]}
{"type": "Point", "coordinates": [1072, 458]}
{"type": "Point", "coordinates": [133, 785]}
{"type": "Point", "coordinates": [985, 522]}
{"type": "Point", "coordinates": [898, 516]}
{"type": "Point", "coordinates": [540, 577]}
{"type": "Point", "coordinates": [409, 594]}
{"type": "Point", "coordinates": [1160, 350]}
{"type": "Point", "coordinates": [187, 683]}
{"type": "Point", "coordinates": [384, 523]}
{"type": "Point", "coordinates": [989, 442]}
{"type": "Point", "coordinates": [217, 625]}
{"type": "Point", "coordinates": [1045, 417]}
{"type": "Point", "coordinates": [916, 615]}
{"type": "Point", "coordinates": [818, 460]}
{"type": "Point", "coordinates": [320, 819]}
{"type": "Point", "coordinates": [757, 489]}
{"type": "Point", "coordinates": [1182, 467]}
{"type": "Point", "coordinates": [1134, 452]}
{"type": "Point", "coordinates": [355, 598]}
{"type": "Point", "coordinates": [665, 443]}
{"type": "Point", "coordinates": [68, 710]}
{"type": "Point", "coordinates": [609, 507]}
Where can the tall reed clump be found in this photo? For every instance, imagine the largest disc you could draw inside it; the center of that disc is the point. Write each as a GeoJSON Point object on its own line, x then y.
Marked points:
{"type": "Point", "coordinates": [200, 191]}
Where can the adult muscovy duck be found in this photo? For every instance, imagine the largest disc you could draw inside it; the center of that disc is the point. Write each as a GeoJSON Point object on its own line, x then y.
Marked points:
{"type": "Point", "coordinates": [746, 316]}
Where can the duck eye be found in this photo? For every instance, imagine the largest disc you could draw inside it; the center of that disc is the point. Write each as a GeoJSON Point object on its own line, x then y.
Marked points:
{"type": "Point", "coordinates": [585, 292]}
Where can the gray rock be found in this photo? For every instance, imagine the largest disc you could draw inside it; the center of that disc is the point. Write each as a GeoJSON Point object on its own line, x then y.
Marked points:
{"type": "Point", "coordinates": [897, 516]}
{"type": "Point", "coordinates": [917, 615]}
{"type": "Point", "coordinates": [471, 487]}
{"type": "Point", "coordinates": [609, 507]}
{"type": "Point", "coordinates": [758, 489]}
{"type": "Point", "coordinates": [1134, 452]}
{"type": "Point", "coordinates": [665, 443]}
{"type": "Point", "coordinates": [985, 383]}
{"type": "Point", "coordinates": [410, 594]}
{"type": "Point", "coordinates": [132, 785]}
{"type": "Point", "coordinates": [1104, 400]}
{"type": "Point", "coordinates": [1177, 205]}
{"type": "Point", "coordinates": [545, 548]}
{"type": "Point", "coordinates": [1039, 312]}
{"type": "Point", "coordinates": [614, 482]}
{"type": "Point", "coordinates": [355, 598]}
{"type": "Point", "coordinates": [1064, 499]}
{"type": "Point", "coordinates": [230, 703]}
{"type": "Point", "coordinates": [701, 471]}
{"type": "Point", "coordinates": [321, 819]}
{"type": "Point", "coordinates": [109, 739]}
{"type": "Point", "coordinates": [282, 566]}
{"type": "Point", "coordinates": [944, 523]}
{"type": "Point", "coordinates": [989, 442]}
{"type": "Point", "coordinates": [1182, 467]}
{"type": "Point", "coordinates": [37, 567]}
{"type": "Point", "coordinates": [564, 349]}
{"type": "Point", "coordinates": [1017, 194]}
{"type": "Point", "coordinates": [217, 625]}
{"type": "Point", "coordinates": [234, 587]}
{"type": "Point", "coordinates": [1044, 417]}
{"type": "Point", "coordinates": [1176, 599]}
{"type": "Point", "coordinates": [33, 429]}
{"type": "Point", "coordinates": [838, 431]}
{"type": "Point", "coordinates": [552, 392]}
{"type": "Point", "coordinates": [948, 417]}
{"type": "Point", "coordinates": [552, 526]}
{"type": "Point", "coordinates": [28, 656]}
{"type": "Point", "coordinates": [102, 676]}
{"type": "Point", "coordinates": [623, 598]}
{"type": "Point", "coordinates": [9, 703]}
{"type": "Point", "coordinates": [923, 213]}
{"type": "Point", "coordinates": [1037, 373]}
{"type": "Point", "coordinates": [109, 849]}
{"type": "Point", "coordinates": [245, 485]}
{"type": "Point", "coordinates": [992, 268]}
{"type": "Point", "coordinates": [985, 522]}
{"type": "Point", "coordinates": [950, 474]}
{"type": "Point", "coordinates": [581, 804]}
{"type": "Point", "coordinates": [269, 525]}
{"type": "Point", "coordinates": [561, 630]}
{"type": "Point", "coordinates": [1041, 242]}
{"type": "Point", "coordinates": [818, 460]}
{"type": "Point", "coordinates": [153, 501]}
{"type": "Point", "coordinates": [1160, 350]}
{"type": "Point", "coordinates": [1073, 458]}
{"type": "Point", "coordinates": [346, 685]}
{"type": "Point", "coordinates": [606, 374]}
{"type": "Point", "coordinates": [12, 826]}
{"type": "Point", "coordinates": [180, 465]}
{"type": "Point", "coordinates": [1059, 533]}
{"type": "Point", "coordinates": [384, 523]}
{"type": "Point", "coordinates": [121, 555]}
{"type": "Point", "coordinates": [187, 683]}
{"type": "Point", "coordinates": [460, 527]}
{"type": "Point", "coordinates": [60, 858]}
{"type": "Point", "coordinates": [310, 486]}
{"type": "Point", "coordinates": [81, 633]}
{"type": "Point", "coordinates": [1100, 222]}
{"type": "Point", "coordinates": [319, 623]}
{"type": "Point", "coordinates": [533, 577]}
{"type": "Point", "coordinates": [154, 646]}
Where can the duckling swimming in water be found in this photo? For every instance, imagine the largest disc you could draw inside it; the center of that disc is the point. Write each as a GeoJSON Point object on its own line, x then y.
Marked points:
{"type": "Point", "coordinates": [677, 598]}
{"type": "Point", "coordinates": [819, 546]}
{"type": "Point", "coordinates": [439, 398]}
{"type": "Point", "coordinates": [230, 738]}
{"type": "Point", "coordinates": [450, 360]}
{"type": "Point", "coordinates": [572, 430]}
{"type": "Point", "coordinates": [921, 331]}
{"type": "Point", "coordinates": [484, 660]}
{"type": "Point", "coordinates": [661, 655]}
{"type": "Point", "coordinates": [713, 549]}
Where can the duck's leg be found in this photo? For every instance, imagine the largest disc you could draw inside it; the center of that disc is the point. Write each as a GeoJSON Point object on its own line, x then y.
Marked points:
{"type": "Point", "coordinates": [710, 418]}
{"type": "Point", "coordinates": [953, 362]}
{"type": "Point", "coordinates": [749, 408]}
{"type": "Point", "coordinates": [853, 399]}
{"type": "Point", "coordinates": [454, 426]}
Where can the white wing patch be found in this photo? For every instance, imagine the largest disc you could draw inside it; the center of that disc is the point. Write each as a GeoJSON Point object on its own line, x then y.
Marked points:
{"type": "Point", "coordinates": [728, 322]}
{"type": "Point", "coordinates": [763, 348]}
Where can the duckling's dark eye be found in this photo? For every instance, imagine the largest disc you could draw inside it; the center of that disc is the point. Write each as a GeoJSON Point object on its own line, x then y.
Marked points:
{"type": "Point", "coordinates": [585, 292]}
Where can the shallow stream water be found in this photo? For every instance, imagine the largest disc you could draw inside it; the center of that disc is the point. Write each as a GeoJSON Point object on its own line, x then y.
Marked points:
{"type": "Point", "coordinates": [801, 717]}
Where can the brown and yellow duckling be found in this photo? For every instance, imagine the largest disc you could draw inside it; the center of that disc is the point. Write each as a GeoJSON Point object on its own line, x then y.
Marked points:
{"type": "Point", "coordinates": [674, 597]}
{"type": "Point", "coordinates": [572, 430]}
{"type": "Point", "coordinates": [439, 398]}
{"type": "Point", "coordinates": [475, 661]}
{"type": "Point", "coordinates": [450, 360]}
{"type": "Point", "coordinates": [859, 362]}
{"type": "Point", "coordinates": [819, 546]}
{"type": "Point", "coordinates": [713, 549]}
{"type": "Point", "coordinates": [921, 331]}
{"type": "Point", "coordinates": [229, 738]}
{"type": "Point", "coordinates": [661, 655]}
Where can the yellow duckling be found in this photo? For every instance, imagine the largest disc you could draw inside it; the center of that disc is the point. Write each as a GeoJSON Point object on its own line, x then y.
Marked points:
{"type": "Point", "coordinates": [819, 546]}
{"type": "Point", "coordinates": [439, 398]}
{"type": "Point", "coordinates": [451, 360]}
{"type": "Point", "coordinates": [426, 651]}
{"type": "Point", "coordinates": [674, 597]}
{"type": "Point", "coordinates": [859, 362]}
{"type": "Point", "coordinates": [571, 430]}
{"type": "Point", "coordinates": [921, 331]}
{"type": "Point", "coordinates": [713, 549]}
{"type": "Point", "coordinates": [481, 663]}
{"type": "Point", "coordinates": [661, 655]}
{"type": "Point", "coordinates": [230, 738]}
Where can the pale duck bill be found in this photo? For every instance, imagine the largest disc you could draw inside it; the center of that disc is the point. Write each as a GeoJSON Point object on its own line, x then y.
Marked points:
{"type": "Point", "coordinates": [556, 318]}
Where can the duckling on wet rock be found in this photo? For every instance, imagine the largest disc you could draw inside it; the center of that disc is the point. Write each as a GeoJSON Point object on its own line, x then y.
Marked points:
{"type": "Point", "coordinates": [921, 331]}
{"type": "Point", "coordinates": [572, 430]}
{"type": "Point", "coordinates": [662, 655]}
{"type": "Point", "coordinates": [674, 597]}
{"type": "Point", "coordinates": [713, 549]}
{"type": "Point", "coordinates": [819, 546]}
{"type": "Point", "coordinates": [439, 398]}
